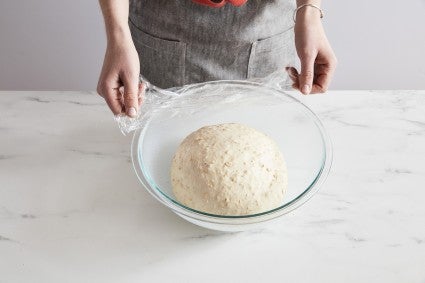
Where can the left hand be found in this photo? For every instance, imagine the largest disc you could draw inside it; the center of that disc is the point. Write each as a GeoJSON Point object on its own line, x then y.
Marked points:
{"type": "Point", "coordinates": [318, 61]}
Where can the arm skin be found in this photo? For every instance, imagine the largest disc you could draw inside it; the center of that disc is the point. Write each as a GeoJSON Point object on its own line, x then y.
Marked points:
{"type": "Point", "coordinates": [318, 61]}
{"type": "Point", "coordinates": [121, 65]}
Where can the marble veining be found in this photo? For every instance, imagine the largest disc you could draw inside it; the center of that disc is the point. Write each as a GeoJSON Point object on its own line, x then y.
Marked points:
{"type": "Point", "coordinates": [37, 99]}
{"type": "Point", "coordinates": [72, 210]}
{"type": "Point", "coordinates": [5, 156]}
{"type": "Point", "coordinates": [4, 238]}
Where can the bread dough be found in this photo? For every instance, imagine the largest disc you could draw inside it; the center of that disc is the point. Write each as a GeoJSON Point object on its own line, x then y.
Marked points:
{"type": "Point", "coordinates": [229, 169]}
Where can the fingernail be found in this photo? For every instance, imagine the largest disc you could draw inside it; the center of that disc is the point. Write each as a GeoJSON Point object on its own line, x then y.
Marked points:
{"type": "Point", "coordinates": [306, 89]}
{"type": "Point", "coordinates": [132, 112]}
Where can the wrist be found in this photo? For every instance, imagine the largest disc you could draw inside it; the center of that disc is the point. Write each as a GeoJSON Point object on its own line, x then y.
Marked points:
{"type": "Point", "coordinates": [308, 13]}
{"type": "Point", "coordinates": [309, 18]}
{"type": "Point", "coordinates": [117, 33]}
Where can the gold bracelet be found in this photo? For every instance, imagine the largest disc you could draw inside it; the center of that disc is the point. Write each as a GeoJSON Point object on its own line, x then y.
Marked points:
{"type": "Point", "coordinates": [303, 6]}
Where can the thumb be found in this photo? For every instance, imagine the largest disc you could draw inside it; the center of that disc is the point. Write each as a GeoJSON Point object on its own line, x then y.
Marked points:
{"type": "Point", "coordinates": [307, 74]}
{"type": "Point", "coordinates": [131, 92]}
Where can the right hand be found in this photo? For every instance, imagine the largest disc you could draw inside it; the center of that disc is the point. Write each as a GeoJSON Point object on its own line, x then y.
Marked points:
{"type": "Point", "coordinates": [318, 61]}
{"type": "Point", "coordinates": [121, 68]}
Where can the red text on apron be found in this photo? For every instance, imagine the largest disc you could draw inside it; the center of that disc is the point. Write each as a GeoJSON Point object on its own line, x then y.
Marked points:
{"type": "Point", "coordinates": [220, 3]}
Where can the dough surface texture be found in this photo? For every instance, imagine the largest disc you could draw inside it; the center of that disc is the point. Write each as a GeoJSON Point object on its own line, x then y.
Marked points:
{"type": "Point", "coordinates": [229, 169]}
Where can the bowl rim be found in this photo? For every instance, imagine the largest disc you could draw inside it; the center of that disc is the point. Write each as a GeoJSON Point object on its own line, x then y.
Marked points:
{"type": "Point", "coordinates": [179, 208]}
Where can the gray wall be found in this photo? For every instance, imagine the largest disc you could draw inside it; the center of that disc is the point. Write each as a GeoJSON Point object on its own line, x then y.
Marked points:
{"type": "Point", "coordinates": [53, 44]}
{"type": "Point", "coordinates": [50, 44]}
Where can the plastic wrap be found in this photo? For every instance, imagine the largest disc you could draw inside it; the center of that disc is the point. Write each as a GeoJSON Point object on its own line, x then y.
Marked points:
{"type": "Point", "coordinates": [154, 98]}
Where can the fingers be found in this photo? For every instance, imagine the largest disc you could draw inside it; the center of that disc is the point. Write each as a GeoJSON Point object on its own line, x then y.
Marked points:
{"type": "Point", "coordinates": [293, 75]}
{"type": "Point", "coordinates": [113, 99]}
{"type": "Point", "coordinates": [321, 77]}
{"type": "Point", "coordinates": [121, 101]}
{"type": "Point", "coordinates": [306, 77]}
{"type": "Point", "coordinates": [131, 94]}
{"type": "Point", "coordinates": [324, 75]}
{"type": "Point", "coordinates": [111, 95]}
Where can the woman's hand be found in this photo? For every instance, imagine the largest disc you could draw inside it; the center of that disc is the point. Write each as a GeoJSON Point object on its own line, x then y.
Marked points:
{"type": "Point", "coordinates": [121, 69]}
{"type": "Point", "coordinates": [119, 78]}
{"type": "Point", "coordinates": [318, 61]}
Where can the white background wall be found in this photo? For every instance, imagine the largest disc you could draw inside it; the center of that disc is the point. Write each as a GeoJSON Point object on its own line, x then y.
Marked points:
{"type": "Point", "coordinates": [54, 44]}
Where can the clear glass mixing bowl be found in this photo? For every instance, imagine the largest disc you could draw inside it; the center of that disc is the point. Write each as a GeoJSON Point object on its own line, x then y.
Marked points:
{"type": "Point", "coordinates": [297, 130]}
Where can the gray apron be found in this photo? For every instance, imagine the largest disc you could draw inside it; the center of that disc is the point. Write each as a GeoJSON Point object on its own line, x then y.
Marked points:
{"type": "Point", "coordinates": [180, 42]}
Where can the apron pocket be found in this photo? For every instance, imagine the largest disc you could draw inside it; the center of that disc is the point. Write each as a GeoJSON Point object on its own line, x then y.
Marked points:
{"type": "Point", "coordinates": [271, 54]}
{"type": "Point", "coordinates": [162, 61]}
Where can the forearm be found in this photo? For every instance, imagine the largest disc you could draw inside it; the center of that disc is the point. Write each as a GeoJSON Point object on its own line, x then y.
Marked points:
{"type": "Point", "coordinates": [115, 14]}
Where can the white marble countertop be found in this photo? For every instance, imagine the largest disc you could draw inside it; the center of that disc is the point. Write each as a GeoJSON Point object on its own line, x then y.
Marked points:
{"type": "Point", "coordinates": [72, 210]}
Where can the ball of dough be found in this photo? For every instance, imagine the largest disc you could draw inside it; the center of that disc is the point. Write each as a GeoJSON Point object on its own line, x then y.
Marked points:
{"type": "Point", "coordinates": [229, 169]}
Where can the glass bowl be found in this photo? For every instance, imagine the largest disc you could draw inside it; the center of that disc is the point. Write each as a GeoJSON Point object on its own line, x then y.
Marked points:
{"type": "Point", "coordinates": [296, 129]}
